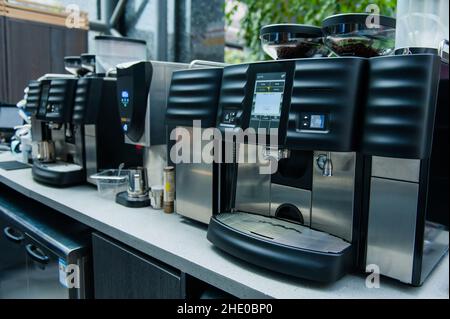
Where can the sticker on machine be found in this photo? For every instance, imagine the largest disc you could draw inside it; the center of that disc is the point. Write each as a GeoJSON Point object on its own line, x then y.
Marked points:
{"type": "Point", "coordinates": [63, 273]}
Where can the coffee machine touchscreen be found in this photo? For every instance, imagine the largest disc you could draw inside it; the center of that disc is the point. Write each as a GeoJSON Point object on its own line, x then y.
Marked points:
{"type": "Point", "coordinates": [268, 100]}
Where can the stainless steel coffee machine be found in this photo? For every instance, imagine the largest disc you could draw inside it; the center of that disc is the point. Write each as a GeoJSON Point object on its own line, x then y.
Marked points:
{"type": "Point", "coordinates": [297, 208]}
{"type": "Point", "coordinates": [58, 142]}
{"type": "Point", "coordinates": [142, 91]}
{"type": "Point", "coordinates": [194, 96]}
{"type": "Point", "coordinates": [76, 127]}
{"type": "Point", "coordinates": [405, 140]}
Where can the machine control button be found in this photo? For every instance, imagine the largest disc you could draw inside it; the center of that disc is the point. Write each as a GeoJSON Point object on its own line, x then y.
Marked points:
{"type": "Point", "coordinates": [230, 118]}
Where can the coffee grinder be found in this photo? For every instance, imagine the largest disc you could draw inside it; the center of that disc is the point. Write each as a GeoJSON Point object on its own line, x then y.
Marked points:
{"type": "Point", "coordinates": [405, 141]}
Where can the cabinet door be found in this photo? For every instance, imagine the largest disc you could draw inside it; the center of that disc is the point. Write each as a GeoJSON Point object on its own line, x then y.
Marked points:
{"type": "Point", "coordinates": [3, 97]}
{"type": "Point", "coordinates": [27, 52]}
{"type": "Point", "coordinates": [121, 273]}
{"type": "Point", "coordinates": [13, 272]}
{"type": "Point", "coordinates": [65, 42]}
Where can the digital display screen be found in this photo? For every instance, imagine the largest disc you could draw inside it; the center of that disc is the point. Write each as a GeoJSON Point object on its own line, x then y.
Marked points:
{"type": "Point", "coordinates": [268, 100]}
{"type": "Point", "coordinates": [125, 100]}
{"type": "Point", "coordinates": [318, 122]}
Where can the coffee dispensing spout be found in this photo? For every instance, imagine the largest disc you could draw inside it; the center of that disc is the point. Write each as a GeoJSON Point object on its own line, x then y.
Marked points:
{"type": "Point", "coordinates": [325, 163]}
{"type": "Point", "coordinates": [328, 167]}
{"type": "Point", "coordinates": [277, 154]}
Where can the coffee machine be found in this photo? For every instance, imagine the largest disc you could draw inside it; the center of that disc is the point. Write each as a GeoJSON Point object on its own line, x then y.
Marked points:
{"type": "Point", "coordinates": [301, 218]}
{"type": "Point", "coordinates": [76, 127]}
{"type": "Point", "coordinates": [58, 143]}
{"type": "Point", "coordinates": [96, 108]}
{"type": "Point", "coordinates": [142, 91]}
{"type": "Point", "coordinates": [405, 141]}
{"type": "Point", "coordinates": [194, 96]}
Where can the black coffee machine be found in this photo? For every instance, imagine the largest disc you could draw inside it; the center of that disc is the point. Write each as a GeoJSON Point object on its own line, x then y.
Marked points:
{"type": "Point", "coordinates": [76, 127]}
{"type": "Point", "coordinates": [374, 195]}
{"type": "Point", "coordinates": [194, 96]}
{"type": "Point", "coordinates": [302, 219]}
{"type": "Point", "coordinates": [405, 143]}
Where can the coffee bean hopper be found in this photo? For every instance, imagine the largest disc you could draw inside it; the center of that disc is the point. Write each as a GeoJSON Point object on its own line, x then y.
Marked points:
{"type": "Point", "coordinates": [291, 41]}
{"type": "Point", "coordinates": [359, 35]}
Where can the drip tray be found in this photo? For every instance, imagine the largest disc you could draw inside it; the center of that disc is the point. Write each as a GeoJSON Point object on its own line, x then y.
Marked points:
{"type": "Point", "coordinates": [282, 246]}
{"type": "Point", "coordinates": [283, 232]}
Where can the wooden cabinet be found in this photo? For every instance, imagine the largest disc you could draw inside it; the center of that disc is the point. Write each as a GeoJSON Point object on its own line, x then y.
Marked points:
{"type": "Point", "coordinates": [65, 42]}
{"type": "Point", "coordinates": [34, 49]}
{"type": "Point", "coordinates": [27, 55]}
{"type": "Point", "coordinates": [3, 71]}
{"type": "Point", "coordinates": [122, 273]}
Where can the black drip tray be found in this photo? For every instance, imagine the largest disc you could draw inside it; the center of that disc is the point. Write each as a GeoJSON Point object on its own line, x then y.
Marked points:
{"type": "Point", "coordinates": [282, 246]}
{"type": "Point", "coordinates": [283, 232]}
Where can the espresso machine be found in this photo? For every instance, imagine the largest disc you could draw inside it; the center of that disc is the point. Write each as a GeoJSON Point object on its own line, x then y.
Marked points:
{"type": "Point", "coordinates": [58, 143]}
{"type": "Point", "coordinates": [194, 96]}
{"type": "Point", "coordinates": [296, 208]}
{"type": "Point", "coordinates": [142, 91]}
{"type": "Point", "coordinates": [405, 141]}
{"type": "Point", "coordinates": [76, 126]}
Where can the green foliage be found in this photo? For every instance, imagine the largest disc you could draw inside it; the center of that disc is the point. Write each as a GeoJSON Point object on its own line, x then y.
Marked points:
{"type": "Point", "coordinates": [263, 12]}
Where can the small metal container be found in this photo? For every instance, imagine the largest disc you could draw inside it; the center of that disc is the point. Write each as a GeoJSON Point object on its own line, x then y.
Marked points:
{"type": "Point", "coordinates": [169, 190]}
{"type": "Point", "coordinates": [138, 183]}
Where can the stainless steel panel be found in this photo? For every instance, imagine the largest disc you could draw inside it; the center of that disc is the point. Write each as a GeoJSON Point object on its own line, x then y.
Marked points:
{"type": "Point", "coordinates": [194, 183]}
{"type": "Point", "coordinates": [91, 155]}
{"type": "Point", "coordinates": [284, 233]}
{"type": "Point", "coordinates": [36, 130]}
{"type": "Point", "coordinates": [333, 197]}
{"type": "Point", "coordinates": [392, 227]}
{"type": "Point", "coordinates": [396, 168]}
{"type": "Point", "coordinates": [300, 198]}
{"type": "Point", "coordinates": [195, 191]}
{"type": "Point", "coordinates": [64, 149]}
{"type": "Point", "coordinates": [43, 280]}
{"type": "Point", "coordinates": [252, 188]}
{"type": "Point", "coordinates": [434, 248]}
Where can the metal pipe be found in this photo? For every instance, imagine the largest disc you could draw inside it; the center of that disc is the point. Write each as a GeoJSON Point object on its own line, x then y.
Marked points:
{"type": "Point", "coordinates": [98, 26]}
{"type": "Point", "coordinates": [115, 33]}
{"type": "Point", "coordinates": [117, 13]}
{"type": "Point", "coordinates": [109, 25]}
{"type": "Point", "coordinates": [200, 63]}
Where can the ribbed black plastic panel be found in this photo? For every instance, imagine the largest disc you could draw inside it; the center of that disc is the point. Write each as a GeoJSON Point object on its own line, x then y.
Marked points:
{"type": "Point", "coordinates": [81, 101]}
{"type": "Point", "coordinates": [401, 106]}
{"type": "Point", "coordinates": [60, 100]}
{"type": "Point", "coordinates": [194, 95]}
{"type": "Point", "coordinates": [87, 97]}
{"type": "Point", "coordinates": [331, 87]}
{"type": "Point", "coordinates": [235, 86]}
{"type": "Point", "coordinates": [33, 96]}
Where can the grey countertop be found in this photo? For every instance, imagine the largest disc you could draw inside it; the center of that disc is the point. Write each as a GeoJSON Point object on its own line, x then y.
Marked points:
{"type": "Point", "coordinates": [183, 244]}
